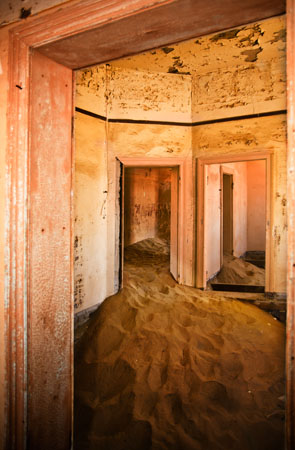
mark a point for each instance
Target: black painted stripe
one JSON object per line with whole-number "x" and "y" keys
{"x": 182, "y": 124}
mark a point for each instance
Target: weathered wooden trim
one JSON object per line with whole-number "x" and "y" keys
{"x": 200, "y": 220}
{"x": 50, "y": 270}
{"x": 185, "y": 211}
{"x": 56, "y": 26}
{"x": 290, "y": 343}
{"x": 16, "y": 284}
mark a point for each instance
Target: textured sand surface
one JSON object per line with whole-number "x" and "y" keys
{"x": 238, "y": 271}
{"x": 163, "y": 366}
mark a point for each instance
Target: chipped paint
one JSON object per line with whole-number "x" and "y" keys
{"x": 251, "y": 55}
{"x": 254, "y": 136}
{"x": 215, "y": 51}
{"x": 221, "y": 84}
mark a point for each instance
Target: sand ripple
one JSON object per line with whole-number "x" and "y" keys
{"x": 163, "y": 366}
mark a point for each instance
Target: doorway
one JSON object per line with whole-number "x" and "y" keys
{"x": 20, "y": 48}
{"x": 149, "y": 200}
{"x": 226, "y": 215}
{"x": 234, "y": 216}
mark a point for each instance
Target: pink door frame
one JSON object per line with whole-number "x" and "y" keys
{"x": 185, "y": 234}
{"x": 58, "y": 26}
{"x": 201, "y": 281}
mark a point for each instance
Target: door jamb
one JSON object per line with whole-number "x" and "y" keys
{"x": 182, "y": 231}
{"x": 200, "y": 251}
{"x": 22, "y": 39}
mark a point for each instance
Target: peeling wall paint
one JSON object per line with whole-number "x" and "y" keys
{"x": 215, "y": 51}
{"x": 233, "y": 73}
{"x": 149, "y": 95}
{"x": 127, "y": 94}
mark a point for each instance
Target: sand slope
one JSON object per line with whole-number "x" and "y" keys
{"x": 237, "y": 271}
{"x": 164, "y": 366}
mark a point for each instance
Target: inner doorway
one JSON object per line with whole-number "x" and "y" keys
{"x": 149, "y": 209}
{"x": 227, "y": 214}
{"x": 234, "y": 216}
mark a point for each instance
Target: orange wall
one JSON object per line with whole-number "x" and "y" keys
{"x": 147, "y": 204}
{"x": 256, "y": 180}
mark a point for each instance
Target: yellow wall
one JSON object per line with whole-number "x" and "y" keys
{"x": 90, "y": 209}
{"x": 109, "y": 92}
{"x": 215, "y": 77}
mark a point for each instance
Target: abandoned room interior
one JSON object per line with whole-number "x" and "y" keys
{"x": 145, "y": 127}
{"x": 149, "y": 291}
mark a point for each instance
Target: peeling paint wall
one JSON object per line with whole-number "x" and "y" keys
{"x": 150, "y": 96}
{"x": 144, "y": 95}
{"x": 143, "y": 98}
{"x": 242, "y": 72}
{"x": 146, "y": 204}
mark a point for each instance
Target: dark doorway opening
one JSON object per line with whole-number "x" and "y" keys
{"x": 227, "y": 214}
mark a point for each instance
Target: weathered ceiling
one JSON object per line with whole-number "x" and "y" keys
{"x": 174, "y": 21}
{"x": 261, "y": 42}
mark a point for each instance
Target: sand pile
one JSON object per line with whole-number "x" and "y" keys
{"x": 164, "y": 366}
{"x": 237, "y": 271}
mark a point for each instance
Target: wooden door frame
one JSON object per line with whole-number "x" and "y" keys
{"x": 201, "y": 281}
{"x": 59, "y": 25}
{"x": 224, "y": 171}
{"x": 290, "y": 341}
{"x": 185, "y": 234}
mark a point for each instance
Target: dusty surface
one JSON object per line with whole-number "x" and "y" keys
{"x": 238, "y": 271}
{"x": 163, "y": 366}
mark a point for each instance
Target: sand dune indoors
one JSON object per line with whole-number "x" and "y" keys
{"x": 163, "y": 366}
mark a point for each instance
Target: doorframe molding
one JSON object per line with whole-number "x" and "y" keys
{"x": 201, "y": 162}
{"x": 185, "y": 233}
{"x": 66, "y": 20}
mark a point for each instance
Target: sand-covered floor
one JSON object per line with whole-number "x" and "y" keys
{"x": 238, "y": 271}
{"x": 163, "y": 366}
